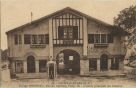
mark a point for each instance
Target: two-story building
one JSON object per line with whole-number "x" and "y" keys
{"x": 82, "y": 43}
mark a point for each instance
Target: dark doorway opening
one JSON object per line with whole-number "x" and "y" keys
{"x": 104, "y": 62}
{"x": 30, "y": 64}
{"x": 71, "y": 60}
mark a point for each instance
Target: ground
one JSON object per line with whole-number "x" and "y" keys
{"x": 73, "y": 82}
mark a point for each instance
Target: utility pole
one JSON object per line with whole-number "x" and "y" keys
{"x": 31, "y": 17}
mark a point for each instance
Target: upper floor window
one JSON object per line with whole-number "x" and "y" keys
{"x": 17, "y": 39}
{"x": 27, "y": 39}
{"x": 36, "y": 39}
{"x": 68, "y": 32}
{"x": 100, "y": 38}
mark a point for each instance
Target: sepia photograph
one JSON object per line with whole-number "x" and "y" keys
{"x": 67, "y": 43}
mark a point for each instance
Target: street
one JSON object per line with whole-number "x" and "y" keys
{"x": 72, "y": 82}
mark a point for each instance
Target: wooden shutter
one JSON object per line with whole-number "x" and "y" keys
{"x": 47, "y": 38}
{"x": 75, "y": 32}
{"x": 16, "y": 39}
{"x": 110, "y": 38}
{"x": 27, "y": 39}
{"x": 90, "y": 38}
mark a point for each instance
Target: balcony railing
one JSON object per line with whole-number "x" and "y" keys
{"x": 37, "y": 45}
{"x": 101, "y": 44}
{"x": 67, "y": 42}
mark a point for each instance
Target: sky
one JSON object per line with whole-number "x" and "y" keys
{"x": 15, "y": 13}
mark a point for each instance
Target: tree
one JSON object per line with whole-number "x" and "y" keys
{"x": 127, "y": 19}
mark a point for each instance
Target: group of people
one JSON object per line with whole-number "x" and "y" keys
{"x": 52, "y": 66}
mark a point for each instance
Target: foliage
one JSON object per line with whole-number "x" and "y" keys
{"x": 126, "y": 19}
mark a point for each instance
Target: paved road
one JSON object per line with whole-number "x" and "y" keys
{"x": 73, "y": 82}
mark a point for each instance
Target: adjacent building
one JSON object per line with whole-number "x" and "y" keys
{"x": 80, "y": 42}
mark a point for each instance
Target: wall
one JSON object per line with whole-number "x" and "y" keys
{"x": 114, "y": 48}
{"x": 21, "y": 50}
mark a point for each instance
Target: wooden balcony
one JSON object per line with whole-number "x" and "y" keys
{"x": 67, "y": 42}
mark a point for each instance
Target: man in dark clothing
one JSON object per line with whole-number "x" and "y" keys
{"x": 51, "y": 71}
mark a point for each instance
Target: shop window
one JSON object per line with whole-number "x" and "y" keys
{"x": 42, "y": 65}
{"x": 92, "y": 64}
{"x": 19, "y": 66}
{"x": 115, "y": 63}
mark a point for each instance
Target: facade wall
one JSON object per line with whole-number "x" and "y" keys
{"x": 85, "y": 50}
{"x": 78, "y": 49}
{"x": 114, "y": 48}
{"x": 21, "y": 50}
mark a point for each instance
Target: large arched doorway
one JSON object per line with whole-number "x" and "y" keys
{"x": 71, "y": 60}
{"x": 104, "y": 62}
{"x": 30, "y": 64}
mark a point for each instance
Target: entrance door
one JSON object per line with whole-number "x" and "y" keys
{"x": 71, "y": 62}
{"x": 104, "y": 62}
{"x": 30, "y": 64}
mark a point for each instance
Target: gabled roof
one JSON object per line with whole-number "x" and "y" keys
{"x": 53, "y": 14}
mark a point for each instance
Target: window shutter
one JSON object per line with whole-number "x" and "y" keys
{"x": 110, "y": 38}
{"x": 47, "y": 38}
{"x": 27, "y": 39}
{"x": 16, "y": 39}
{"x": 75, "y": 32}
{"x": 60, "y": 32}
{"x": 90, "y": 38}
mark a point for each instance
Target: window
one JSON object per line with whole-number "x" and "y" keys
{"x": 110, "y": 38}
{"x": 68, "y": 32}
{"x": 19, "y": 66}
{"x": 17, "y": 39}
{"x": 41, "y": 39}
{"x": 115, "y": 63}
{"x": 42, "y": 65}
{"x": 100, "y": 38}
{"x": 90, "y": 38}
{"x": 47, "y": 38}
{"x": 34, "y": 39}
{"x": 27, "y": 39}
{"x": 97, "y": 38}
{"x": 93, "y": 64}
{"x": 103, "y": 38}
